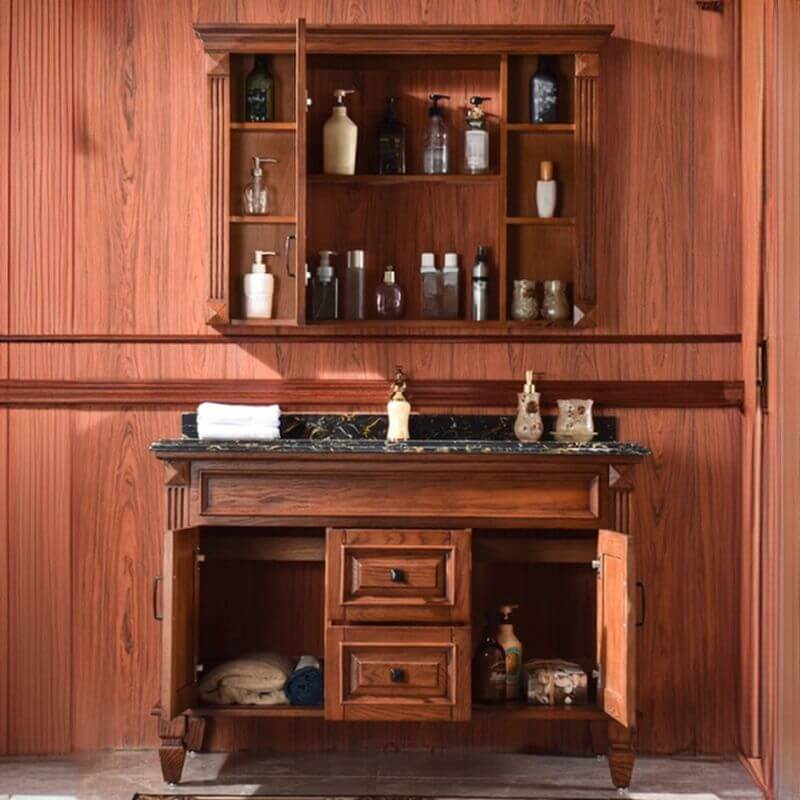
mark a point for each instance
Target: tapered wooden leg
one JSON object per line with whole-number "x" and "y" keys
{"x": 172, "y": 752}
{"x": 196, "y": 727}
{"x": 620, "y": 754}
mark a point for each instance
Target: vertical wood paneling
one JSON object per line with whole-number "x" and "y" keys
{"x": 141, "y": 167}
{"x": 117, "y": 525}
{"x": 5, "y": 181}
{"x": 40, "y": 583}
{"x": 687, "y": 532}
{"x": 41, "y": 167}
{"x": 5, "y": 653}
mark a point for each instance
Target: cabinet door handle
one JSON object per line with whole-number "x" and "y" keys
{"x": 158, "y": 617}
{"x": 289, "y": 238}
{"x": 640, "y": 587}
{"x": 397, "y": 674}
{"x": 397, "y": 575}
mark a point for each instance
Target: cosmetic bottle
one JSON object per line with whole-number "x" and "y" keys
{"x": 340, "y": 138}
{"x": 435, "y": 146}
{"x": 450, "y": 286}
{"x": 544, "y": 92}
{"x": 325, "y": 289}
{"x": 354, "y": 280}
{"x": 480, "y": 286}
{"x": 255, "y": 198}
{"x": 528, "y": 426}
{"x": 391, "y": 142}
{"x": 546, "y": 191}
{"x": 476, "y": 138}
{"x": 259, "y": 288}
{"x": 431, "y": 279}
{"x": 398, "y": 410}
{"x": 389, "y": 297}
{"x": 512, "y": 647}
{"x": 259, "y": 102}
{"x": 489, "y": 667}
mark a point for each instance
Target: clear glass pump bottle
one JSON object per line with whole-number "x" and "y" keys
{"x": 476, "y": 138}
{"x": 255, "y": 197}
{"x": 435, "y": 150}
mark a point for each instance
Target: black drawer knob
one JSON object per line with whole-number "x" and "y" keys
{"x": 397, "y": 674}
{"x": 397, "y": 575}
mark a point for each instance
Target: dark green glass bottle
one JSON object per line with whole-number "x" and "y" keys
{"x": 259, "y": 93}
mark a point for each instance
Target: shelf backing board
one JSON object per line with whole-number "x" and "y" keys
{"x": 280, "y": 177}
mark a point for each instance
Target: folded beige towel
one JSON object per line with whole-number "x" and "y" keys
{"x": 255, "y": 679}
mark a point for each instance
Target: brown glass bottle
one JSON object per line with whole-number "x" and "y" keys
{"x": 489, "y": 667}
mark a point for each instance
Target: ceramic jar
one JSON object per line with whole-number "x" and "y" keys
{"x": 575, "y": 418}
{"x": 528, "y": 425}
{"x": 524, "y": 305}
{"x": 555, "y": 306}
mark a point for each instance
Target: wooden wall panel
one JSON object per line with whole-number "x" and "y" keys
{"x": 5, "y": 573}
{"x": 118, "y": 126}
{"x": 40, "y": 656}
{"x": 117, "y": 525}
{"x": 372, "y": 361}
{"x": 140, "y": 188}
{"x": 41, "y": 167}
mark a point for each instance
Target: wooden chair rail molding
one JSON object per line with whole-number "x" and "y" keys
{"x": 366, "y": 394}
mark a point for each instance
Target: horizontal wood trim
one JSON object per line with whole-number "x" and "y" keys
{"x": 313, "y": 334}
{"x": 364, "y": 394}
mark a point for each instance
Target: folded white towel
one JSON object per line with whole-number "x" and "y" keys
{"x": 220, "y": 421}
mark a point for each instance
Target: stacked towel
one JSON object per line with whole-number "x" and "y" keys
{"x": 220, "y": 421}
{"x": 304, "y": 687}
{"x": 256, "y": 679}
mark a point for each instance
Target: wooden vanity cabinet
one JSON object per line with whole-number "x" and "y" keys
{"x": 400, "y": 623}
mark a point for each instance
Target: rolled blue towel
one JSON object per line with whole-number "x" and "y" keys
{"x": 304, "y": 686}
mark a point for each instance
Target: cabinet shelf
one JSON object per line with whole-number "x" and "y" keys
{"x": 257, "y": 711}
{"x": 522, "y": 711}
{"x": 381, "y": 180}
{"x": 541, "y": 127}
{"x": 263, "y": 127}
{"x": 546, "y": 222}
{"x": 261, "y": 220}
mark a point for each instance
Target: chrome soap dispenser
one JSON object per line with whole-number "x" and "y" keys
{"x": 255, "y": 198}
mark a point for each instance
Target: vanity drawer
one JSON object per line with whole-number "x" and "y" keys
{"x": 398, "y": 575}
{"x": 397, "y": 673}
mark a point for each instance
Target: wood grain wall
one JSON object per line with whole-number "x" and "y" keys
{"x": 102, "y": 264}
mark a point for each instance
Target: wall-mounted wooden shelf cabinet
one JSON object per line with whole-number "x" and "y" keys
{"x": 394, "y": 218}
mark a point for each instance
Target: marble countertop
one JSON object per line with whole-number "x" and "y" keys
{"x": 431, "y": 434}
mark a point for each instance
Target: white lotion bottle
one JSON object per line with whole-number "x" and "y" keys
{"x": 259, "y": 288}
{"x": 546, "y": 191}
{"x": 339, "y": 139}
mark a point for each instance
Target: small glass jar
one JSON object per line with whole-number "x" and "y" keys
{"x": 555, "y": 307}
{"x": 524, "y": 305}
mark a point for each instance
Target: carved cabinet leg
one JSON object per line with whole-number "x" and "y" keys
{"x": 620, "y": 754}
{"x": 196, "y": 727}
{"x": 172, "y": 752}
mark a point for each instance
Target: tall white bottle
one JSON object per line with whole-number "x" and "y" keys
{"x": 339, "y": 139}
{"x": 546, "y": 191}
{"x": 259, "y": 288}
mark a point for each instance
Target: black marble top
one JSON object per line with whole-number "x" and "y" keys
{"x": 430, "y": 433}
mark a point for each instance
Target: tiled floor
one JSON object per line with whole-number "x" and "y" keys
{"x": 118, "y": 775}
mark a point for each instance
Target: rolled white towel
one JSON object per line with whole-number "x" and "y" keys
{"x": 221, "y": 421}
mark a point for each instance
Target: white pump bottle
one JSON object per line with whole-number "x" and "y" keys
{"x": 339, "y": 139}
{"x": 259, "y": 288}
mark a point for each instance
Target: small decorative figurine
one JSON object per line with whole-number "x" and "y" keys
{"x": 575, "y": 423}
{"x": 528, "y": 425}
{"x": 398, "y": 409}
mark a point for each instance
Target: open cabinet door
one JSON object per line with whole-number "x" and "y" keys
{"x": 179, "y": 634}
{"x": 301, "y": 115}
{"x": 616, "y": 642}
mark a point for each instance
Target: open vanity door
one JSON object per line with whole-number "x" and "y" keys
{"x": 179, "y": 634}
{"x": 301, "y": 117}
{"x": 616, "y": 642}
